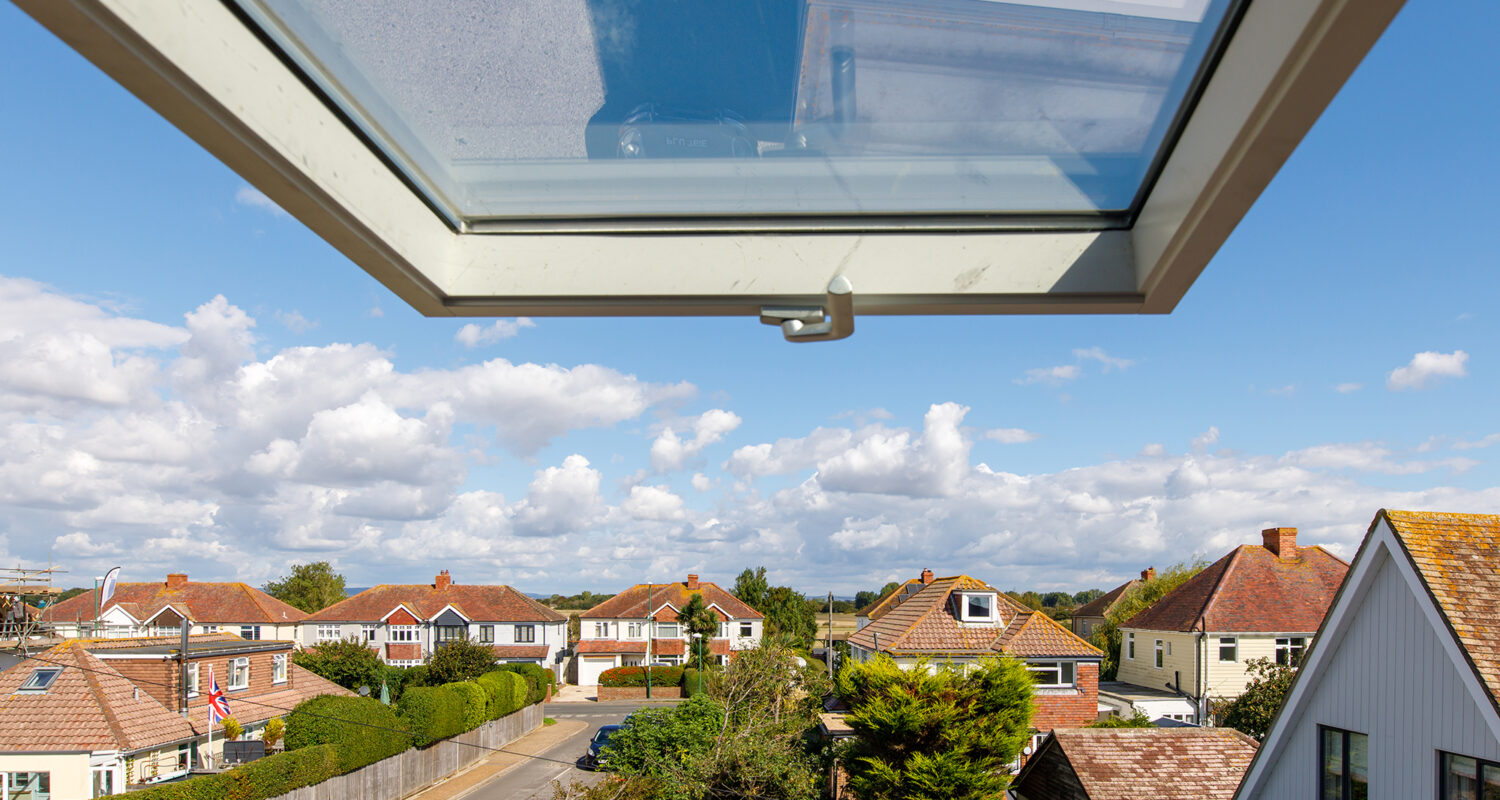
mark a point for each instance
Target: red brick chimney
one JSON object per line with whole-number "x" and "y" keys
{"x": 443, "y": 580}
{"x": 176, "y": 579}
{"x": 1282, "y": 542}
{"x": 692, "y": 583}
{"x": 926, "y": 576}
{"x": 1148, "y": 574}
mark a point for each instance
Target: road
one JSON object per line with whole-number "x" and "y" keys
{"x": 532, "y": 780}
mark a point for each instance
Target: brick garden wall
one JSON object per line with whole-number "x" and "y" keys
{"x": 1071, "y": 709}
{"x": 637, "y": 692}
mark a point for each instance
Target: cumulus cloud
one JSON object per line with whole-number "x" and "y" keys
{"x": 1426, "y": 368}
{"x": 473, "y": 335}
{"x": 669, "y": 452}
{"x": 251, "y": 197}
{"x": 1011, "y": 435}
{"x": 653, "y": 503}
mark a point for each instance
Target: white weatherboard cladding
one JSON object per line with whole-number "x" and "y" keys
{"x": 1391, "y": 677}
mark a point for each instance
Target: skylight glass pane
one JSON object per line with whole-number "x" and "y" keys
{"x": 536, "y": 109}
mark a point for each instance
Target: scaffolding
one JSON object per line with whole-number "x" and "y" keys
{"x": 20, "y": 623}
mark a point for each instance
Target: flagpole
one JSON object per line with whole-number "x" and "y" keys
{"x": 208, "y": 759}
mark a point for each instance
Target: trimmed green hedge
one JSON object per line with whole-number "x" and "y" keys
{"x": 268, "y": 777}
{"x": 360, "y": 727}
{"x": 476, "y": 703}
{"x": 636, "y": 676}
{"x": 432, "y": 713}
{"x": 505, "y": 690}
{"x": 537, "y": 679}
{"x": 691, "y": 680}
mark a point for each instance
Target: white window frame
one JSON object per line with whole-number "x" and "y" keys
{"x": 369, "y": 634}
{"x": 747, "y": 630}
{"x": 278, "y": 668}
{"x": 1062, "y": 674}
{"x": 963, "y": 606}
{"x": 635, "y": 630}
{"x": 330, "y": 633}
{"x": 1232, "y": 643}
{"x": 668, "y": 630}
{"x": 1160, "y": 655}
{"x": 239, "y": 674}
{"x": 402, "y": 634}
{"x": 248, "y": 108}
{"x": 253, "y": 632}
{"x": 404, "y": 662}
{"x": 1130, "y": 646}
{"x": 1291, "y": 646}
{"x": 192, "y": 680}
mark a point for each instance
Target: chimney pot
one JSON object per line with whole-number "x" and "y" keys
{"x": 1282, "y": 542}
{"x": 1148, "y": 574}
{"x": 443, "y": 580}
{"x": 176, "y": 579}
{"x": 692, "y": 583}
{"x": 926, "y": 576}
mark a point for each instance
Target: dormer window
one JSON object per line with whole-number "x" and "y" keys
{"x": 976, "y": 607}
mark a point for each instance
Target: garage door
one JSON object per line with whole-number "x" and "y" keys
{"x": 590, "y": 667}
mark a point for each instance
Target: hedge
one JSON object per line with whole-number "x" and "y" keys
{"x": 505, "y": 690}
{"x": 691, "y": 680}
{"x": 432, "y": 713}
{"x": 636, "y": 676}
{"x": 476, "y": 703}
{"x": 363, "y": 729}
{"x": 537, "y": 680}
{"x": 268, "y": 777}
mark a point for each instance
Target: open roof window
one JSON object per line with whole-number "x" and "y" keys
{"x": 774, "y": 158}
{"x": 40, "y": 680}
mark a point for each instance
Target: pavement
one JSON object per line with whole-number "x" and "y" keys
{"x": 568, "y": 693}
{"x": 539, "y": 742}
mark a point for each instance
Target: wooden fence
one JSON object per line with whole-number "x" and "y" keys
{"x": 411, "y": 771}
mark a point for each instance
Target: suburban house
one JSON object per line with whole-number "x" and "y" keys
{"x": 639, "y": 626}
{"x": 1262, "y": 601}
{"x": 874, "y": 610}
{"x": 1119, "y": 763}
{"x": 160, "y": 609}
{"x": 90, "y": 717}
{"x": 408, "y": 622}
{"x": 1401, "y": 697}
{"x": 961, "y": 619}
{"x": 1088, "y": 617}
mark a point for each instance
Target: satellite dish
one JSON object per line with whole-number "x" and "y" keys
{"x": 364, "y": 691}
{"x": 1026, "y": 750}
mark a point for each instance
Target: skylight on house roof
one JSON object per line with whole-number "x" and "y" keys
{"x": 40, "y": 680}
{"x": 802, "y": 162}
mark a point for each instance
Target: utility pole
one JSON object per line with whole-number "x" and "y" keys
{"x": 828, "y": 653}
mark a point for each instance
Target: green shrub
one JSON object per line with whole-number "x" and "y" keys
{"x": 363, "y": 729}
{"x": 691, "y": 681}
{"x": 636, "y": 676}
{"x": 397, "y": 679}
{"x": 271, "y": 776}
{"x": 537, "y": 679}
{"x": 476, "y": 703}
{"x": 506, "y": 692}
{"x": 431, "y": 713}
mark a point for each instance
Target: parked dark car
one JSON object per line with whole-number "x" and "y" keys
{"x": 596, "y": 758}
{"x": 657, "y": 131}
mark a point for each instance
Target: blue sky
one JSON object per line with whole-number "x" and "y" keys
{"x": 1289, "y": 387}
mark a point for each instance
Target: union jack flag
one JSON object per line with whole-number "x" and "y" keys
{"x": 218, "y": 705}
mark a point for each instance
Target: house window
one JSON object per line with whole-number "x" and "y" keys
{"x": 668, "y": 630}
{"x": 167, "y": 630}
{"x": 978, "y": 607}
{"x": 633, "y": 630}
{"x": 250, "y": 632}
{"x": 404, "y": 662}
{"x": 1160, "y": 652}
{"x": 368, "y": 632}
{"x": 192, "y": 680}
{"x": 1289, "y": 651}
{"x": 210, "y": 628}
{"x": 28, "y": 785}
{"x": 402, "y": 633}
{"x": 40, "y": 680}
{"x": 1052, "y": 673}
{"x": 601, "y": 630}
{"x": 448, "y": 634}
{"x": 673, "y": 660}
{"x": 1344, "y": 763}
{"x": 1228, "y": 648}
{"x": 329, "y": 633}
{"x": 746, "y": 630}
{"x": 239, "y": 673}
{"x": 1130, "y": 646}
{"x": 1464, "y": 778}
{"x": 525, "y": 633}
{"x": 278, "y": 668}
{"x": 487, "y": 634}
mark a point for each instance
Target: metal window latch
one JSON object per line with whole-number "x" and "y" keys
{"x": 816, "y": 323}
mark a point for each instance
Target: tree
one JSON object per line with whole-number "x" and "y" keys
{"x": 934, "y": 733}
{"x": 1253, "y": 711}
{"x": 1135, "y": 600}
{"x": 347, "y": 662}
{"x": 233, "y": 730}
{"x": 271, "y": 734}
{"x": 752, "y": 588}
{"x": 697, "y": 618}
{"x": 310, "y": 587}
{"x": 1087, "y": 596}
{"x": 1136, "y": 720}
{"x": 460, "y": 660}
{"x": 863, "y": 599}
{"x": 789, "y": 618}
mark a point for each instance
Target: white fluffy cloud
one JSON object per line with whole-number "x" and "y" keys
{"x": 1427, "y": 367}
{"x": 251, "y": 197}
{"x": 653, "y": 503}
{"x": 474, "y": 335}
{"x": 670, "y": 452}
{"x": 1011, "y": 435}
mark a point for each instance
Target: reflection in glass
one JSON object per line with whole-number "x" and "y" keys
{"x": 1333, "y": 765}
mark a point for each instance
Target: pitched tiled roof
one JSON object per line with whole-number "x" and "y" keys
{"x": 481, "y": 603}
{"x": 212, "y": 603}
{"x": 1159, "y": 763}
{"x": 631, "y": 603}
{"x": 1101, "y": 605}
{"x": 520, "y": 650}
{"x": 1251, "y": 590}
{"x": 878, "y": 608}
{"x": 253, "y": 709}
{"x": 609, "y": 646}
{"x": 89, "y": 707}
{"x": 925, "y": 623}
{"x": 1457, "y": 556}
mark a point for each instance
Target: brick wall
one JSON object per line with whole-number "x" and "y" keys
{"x": 159, "y": 678}
{"x": 637, "y": 692}
{"x": 1072, "y": 709}
{"x": 156, "y": 678}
